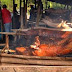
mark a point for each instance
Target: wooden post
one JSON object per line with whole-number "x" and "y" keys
{"x": 46, "y": 3}
{"x": 26, "y": 14}
{"x": 13, "y": 15}
{"x": 7, "y": 44}
{"x": 38, "y": 14}
{"x": 35, "y": 4}
{"x": 2, "y": 26}
{"x": 20, "y": 7}
{"x": 23, "y": 15}
{"x": 22, "y": 22}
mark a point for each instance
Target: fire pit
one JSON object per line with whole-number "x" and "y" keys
{"x": 40, "y": 47}
{"x": 52, "y": 42}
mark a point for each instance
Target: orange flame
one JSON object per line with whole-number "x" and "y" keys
{"x": 36, "y": 43}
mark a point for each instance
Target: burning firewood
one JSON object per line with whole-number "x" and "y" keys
{"x": 8, "y": 51}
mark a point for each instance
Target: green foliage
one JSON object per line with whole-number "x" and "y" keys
{"x": 18, "y": 3}
{"x": 9, "y": 4}
{"x": 45, "y": 3}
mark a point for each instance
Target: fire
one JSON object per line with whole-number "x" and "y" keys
{"x": 38, "y": 49}
{"x": 36, "y": 43}
{"x": 52, "y": 50}
{"x": 64, "y": 25}
{"x": 60, "y": 25}
{"x": 66, "y": 34}
{"x": 21, "y": 49}
{"x": 43, "y": 49}
{"x": 70, "y": 29}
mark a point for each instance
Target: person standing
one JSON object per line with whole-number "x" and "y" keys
{"x": 32, "y": 12}
{"x": 6, "y": 16}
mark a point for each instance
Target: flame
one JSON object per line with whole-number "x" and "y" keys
{"x": 21, "y": 49}
{"x": 60, "y": 24}
{"x": 12, "y": 50}
{"x": 64, "y": 47}
{"x": 64, "y": 25}
{"x": 9, "y": 51}
{"x": 34, "y": 46}
{"x": 36, "y": 43}
{"x": 70, "y": 29}
{"x": 66, "y": 34}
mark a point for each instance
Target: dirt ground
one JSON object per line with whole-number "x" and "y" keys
{"x": 35, "y": 69}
